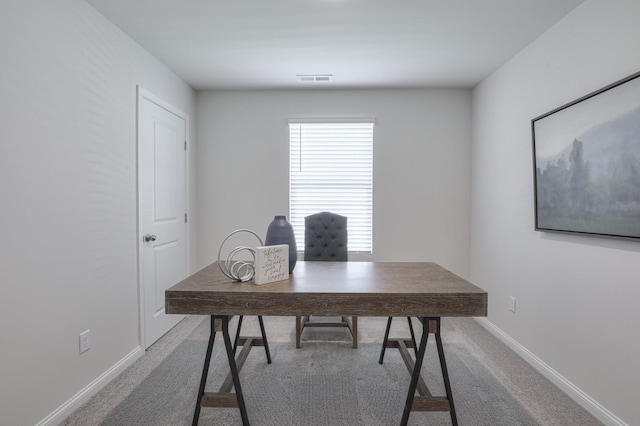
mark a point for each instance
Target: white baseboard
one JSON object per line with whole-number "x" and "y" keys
{"x": 588, "y": 403}
{"x": 62, "y": 412}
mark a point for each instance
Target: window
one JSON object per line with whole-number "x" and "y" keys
{"x": 331, "y": 169}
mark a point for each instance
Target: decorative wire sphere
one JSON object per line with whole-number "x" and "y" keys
{"x": 239, "y": 270}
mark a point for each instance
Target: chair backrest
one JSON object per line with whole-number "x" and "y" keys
{"x": 325, "y": 237}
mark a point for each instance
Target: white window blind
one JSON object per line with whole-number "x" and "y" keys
{"x": 331, "y": 169}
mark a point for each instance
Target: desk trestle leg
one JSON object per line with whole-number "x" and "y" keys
{"x": 386, "y": 338}
{"x": 205, "y": 373}
{"x": 425, "y": 401}
{"x": 264, "y": 337}
{"x": 224, "y": 398}
{"x": 234, "y": 370}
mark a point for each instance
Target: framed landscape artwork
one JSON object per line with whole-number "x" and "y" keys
{"x": 586, "y": 158}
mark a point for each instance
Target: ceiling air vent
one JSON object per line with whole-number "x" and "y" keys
{"x": 314, "y": 78}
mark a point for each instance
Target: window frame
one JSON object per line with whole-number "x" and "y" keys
{"x": 296, "y": 218}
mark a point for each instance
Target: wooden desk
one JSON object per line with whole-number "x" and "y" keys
{"x": 423, "y": 290}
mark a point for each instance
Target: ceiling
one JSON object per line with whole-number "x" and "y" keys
{"x": 264, "y": 44}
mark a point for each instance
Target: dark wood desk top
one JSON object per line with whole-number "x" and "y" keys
{"x": 333, "y": 288}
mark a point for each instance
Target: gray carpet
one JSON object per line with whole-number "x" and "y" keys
{"x": 323, "y": 383}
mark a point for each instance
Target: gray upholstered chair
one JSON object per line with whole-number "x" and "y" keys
{"x": 325, "y": 239}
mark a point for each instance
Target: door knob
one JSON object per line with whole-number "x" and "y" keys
{"x": 149, "y": 237}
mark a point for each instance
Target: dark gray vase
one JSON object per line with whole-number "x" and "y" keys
{"x": 281, "y": 232}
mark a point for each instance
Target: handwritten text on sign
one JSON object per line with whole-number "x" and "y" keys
{"x": 272, "y": 263}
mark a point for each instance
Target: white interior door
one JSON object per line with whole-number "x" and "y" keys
{"x": 163, "y": 209}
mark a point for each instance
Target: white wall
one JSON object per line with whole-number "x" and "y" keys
{"x": 421, "y": 166}
{"x": 68, "y": 188}
{"x": 576, "y": 295}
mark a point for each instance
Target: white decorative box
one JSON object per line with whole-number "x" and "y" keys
{"x": 272, "y": 264}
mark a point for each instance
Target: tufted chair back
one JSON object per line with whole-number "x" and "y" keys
{"x": 325, "y": 237}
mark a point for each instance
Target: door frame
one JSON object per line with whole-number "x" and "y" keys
{"x": 141, "y": 95}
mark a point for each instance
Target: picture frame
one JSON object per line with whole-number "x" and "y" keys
{"x": 586, "y": 163}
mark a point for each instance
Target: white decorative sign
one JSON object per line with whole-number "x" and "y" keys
{"x": 272, "y": 264}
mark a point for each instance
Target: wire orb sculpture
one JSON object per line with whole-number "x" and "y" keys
{"x": 238, "y": 270}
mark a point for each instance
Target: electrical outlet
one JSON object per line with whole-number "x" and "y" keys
{"x": 85, "y": 341}
{"x": 512, "y": 304}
